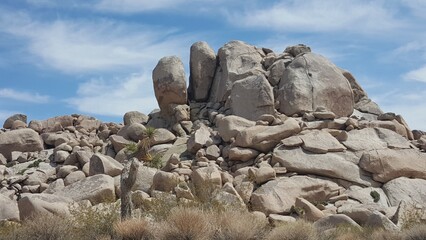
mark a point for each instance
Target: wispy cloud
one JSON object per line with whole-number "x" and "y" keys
{"x": 416, "y": 75}
{"x": 77, "y": 46}
{"x": 319, "y": 16}
{"x": 115, "y": 97}
{"x": 23, "y": 96}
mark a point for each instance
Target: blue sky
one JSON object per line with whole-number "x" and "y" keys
{"x": 95, "y": 57}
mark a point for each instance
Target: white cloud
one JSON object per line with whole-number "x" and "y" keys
{"x": 133, "y": 6}
{"x": 418, "y": 7}
{"x": 100, "y": 45}
{"x": 23, "y": 96}
{"x": 116, "y": 96}
{"x": 371, "y": 17}
{"x": 136, "y": 6}
{"x": 417, "y": 75}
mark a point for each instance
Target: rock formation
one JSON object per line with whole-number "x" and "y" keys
{"x": 287, "y": 134}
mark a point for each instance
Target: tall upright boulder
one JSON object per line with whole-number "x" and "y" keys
{"x": 237, "y": 60}
{"x": 252, "y": 97}
{"x": 202, "y": 64}
{"x": 312, "y": 81}
{"x": 169, "y": 84}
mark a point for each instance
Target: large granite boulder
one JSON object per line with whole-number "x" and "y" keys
{"x": 312, "y": 81}
{"x": 229, "y": 126}
{"x": 387, "y": 164}
{"x": 8, "y": 123}
{"x": 97, "y": 189}
{"x": 406, "y": 189}
{"x": 169, "y": 84}
{"x": 335, "y": 165}
{"x": 252, "y": 97}
{"x": 202, "y": 66}
{"x": 237, "y": 60}
{"x": 278, "y": 196}
{"x": 102, "y": 164}
{"x": 22, "y": 140}
{"x": 35, "y": 204}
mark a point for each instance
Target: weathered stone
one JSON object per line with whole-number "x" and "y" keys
{"x": 237, "y": 60}
{"x": 9, "y": 121}
{"x": 312, "y": 81}
{"x": 406, "y": 189}
{"x": 18, "y": 124}
{"x": 212, "y": 152}
{"x": 119, "y": 142}
{"x": 242, "y": 154}
{"x": 277, "y": 220}
{"x": 96, "y": 189}
{"x": 35, "y": 204}
{"x": 144, "y": 178}
{"x": 252, "y": 97}
{"x": 366, "y": 105}
{"x": 262, "y": 175}
{"x": 229, "y": 126}
{"x": 206, "y": 177}
{"x": 293, "y": 141}
{"x": 198, "y": 139}
{"x": 297, "y": 49}
{"x": 102, "y": 164}
{"x": 134, "y": 117}
{"x": 311, "y": 213}
{"x": 165, "y": 181}
{"x": 321, "y": 142}
{"x": 374, "y": 139}
{"x": 335, "y": 165}
{"x": 57, "y": 185}
{"x": 278, "y": 196}
{"x": 61, "y": 156}
{"x": 387, "y": 164}
{"x": 364, "y": 195}
{"x": 8, "y": 209}
{"x": 202, "y": 64}
{"x": 162, "y": 135}
{"x": 65, "y": 170}
{"x": 23, "y": 140}
{"x": 378, "y": 220}
{"x": 74, "y": 177}
{"x": 276, "y": 71}
{"x": 169, "y": 84}
{"x": 334, "y": 221}
{"x": 264, "y": 138}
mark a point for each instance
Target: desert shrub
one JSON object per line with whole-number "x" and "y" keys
{"x": 94, "y": 222}
{"x": 187, "y": 224}
{"x": 42, "y": 227}
{"x": 131, "y": 148}
{"x": 153, "y": 161}
{"x": 375, "y": 195}
{"x": 299, "y": 230}
{"x": 416, "y": 232}
{"x": 158, "y": 208}
{"x": 134, "y": 229}
{"x": 238, "y": 225}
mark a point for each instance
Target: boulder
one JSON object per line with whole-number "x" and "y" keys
{"x": 387, "y": 164}
{"x": 119, "y": 142}
{"x": 134, "y": 117}
{"x": 165, "y": 181}
{"x": 202, "y": 66}
{"x": 169, "y": 84}
{"x": 364, "y": 195}
{"x": 8, "y": 209}
{"x": 198, "y": 139}
{"x": 407, "y": 190}
{"x": 162, "y": 135}
{"x": 18, "y": 124}
{"x": 310, "y": 212}
{"x": 276, "y": 71}
{"x": 53, "y": 124}
{"x": 378, "y": 220}
{"x": 374, "y": 139}
{"x": 9, "y": 121}
{"x": 335, "y": 165}
{"x": 74, "y": 177}
{"x": 252, "y": 97}
{"x": 321, "y": 142}
{"x": 334, "y": 221}
{"x": 297, "y": 49}
{"x": 278, "y": 196}
{"x": 229, "y": 126}
{"x": 242, "y": 154}
{"x": 144, "y": 178}
{"x": 312, "y": 81}
{"x": 206, "y": 177}
{"x": 264, "y": 138}
{"x": 35, "y": 204}
{"x": 23, "y": 140}
{"x": 96, "y": 189}
{"x": 237, "y": 60}
{"x": 102, "y": 164}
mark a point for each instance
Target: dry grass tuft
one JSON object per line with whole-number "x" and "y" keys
{"x": 238, "y": 225}
{"x": 299, "y": 230}
{"x": 134, "y": 229}
{"x": 417, "y": 232}
{"x": 187, "y": 224}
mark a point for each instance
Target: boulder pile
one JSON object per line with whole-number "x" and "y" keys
{"x": 288, "y": 135}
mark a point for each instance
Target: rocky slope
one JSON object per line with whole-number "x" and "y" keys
{"x": 284, "y": 134}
